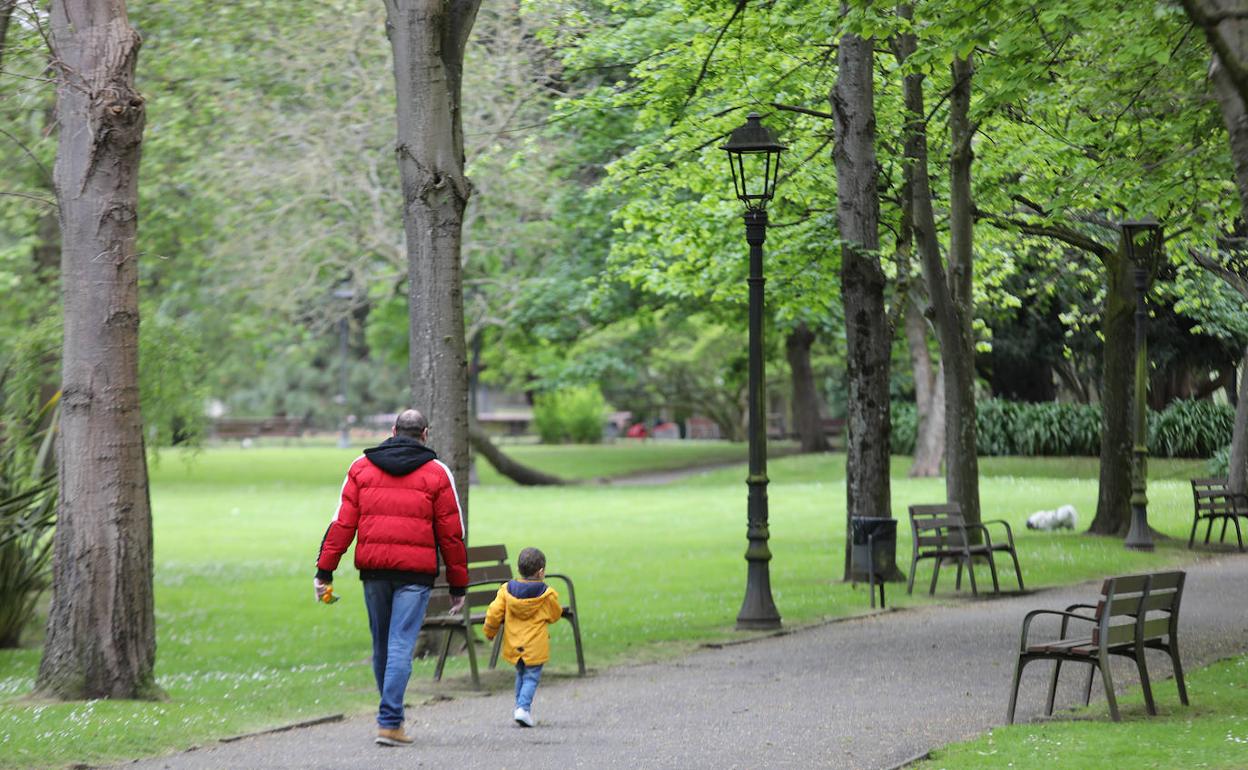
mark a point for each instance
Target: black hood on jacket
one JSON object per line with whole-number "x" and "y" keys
{"x": 399, "y": 455}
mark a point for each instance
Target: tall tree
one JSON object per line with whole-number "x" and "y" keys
{"x": 868, "y": 336}
{"x": 1225, "y": 24}
{"x": 101, "y": 640}
{"x": 427, "y": 38}
{"x": 949, "y": 290}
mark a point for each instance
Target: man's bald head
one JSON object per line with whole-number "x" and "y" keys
{"x": 410, "y": 423}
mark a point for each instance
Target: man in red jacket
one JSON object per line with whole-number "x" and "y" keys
{"x": 400, "y": 501}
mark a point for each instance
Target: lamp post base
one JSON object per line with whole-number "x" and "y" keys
{"x": 758, "y": 611}
{"x": 1140, "y": 537}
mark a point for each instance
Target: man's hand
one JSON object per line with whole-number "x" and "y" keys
{"x": 457, "y": 604}
{"x": 321, "y": 587}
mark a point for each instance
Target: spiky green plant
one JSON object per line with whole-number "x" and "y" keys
{"x": 27, "y": 515}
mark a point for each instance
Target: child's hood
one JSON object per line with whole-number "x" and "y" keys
{"x": 525, "y": 597}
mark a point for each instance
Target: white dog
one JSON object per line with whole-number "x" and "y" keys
{"x": 1063, "y": 518}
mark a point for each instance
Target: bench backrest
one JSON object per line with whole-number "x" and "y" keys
{"x": 937, "y": 526}
{"x": 487, "y": 568}
{"x": 1138, "y": 608}
{"x": 1213, "y": 497}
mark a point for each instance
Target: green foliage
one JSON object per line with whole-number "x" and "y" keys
{"x": 1190, "y": 428}
{"x": 28, "y": 496}
{"x": 570, "y": 414}
{"x": 1186, "y": 428}
{"x": 1220, "y": 464}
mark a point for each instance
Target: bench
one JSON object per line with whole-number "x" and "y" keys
{"x": 249, "y": 427}
{"x": 1134, "y": 613}
{"x": 1213, "y": 500}
{"x": 487, "y": 569}
{"x": 940, "y": 533}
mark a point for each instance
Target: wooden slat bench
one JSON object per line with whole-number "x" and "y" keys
{"x": 1135, "y": 613}
{"x": 487, "y": 570}
{"x": 939, "y": 532}
{"x": 1213, "y": 500}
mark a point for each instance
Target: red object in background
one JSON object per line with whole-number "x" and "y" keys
{"x": 637, "y": 430}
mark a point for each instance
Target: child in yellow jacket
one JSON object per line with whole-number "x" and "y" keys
{"x": 524, "y": 608}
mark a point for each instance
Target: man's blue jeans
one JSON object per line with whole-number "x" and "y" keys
{"x": 527, "y": 678}
{"x": 395, "y": 613}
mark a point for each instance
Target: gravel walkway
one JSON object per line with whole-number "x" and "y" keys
{"x": 870, "y": 692}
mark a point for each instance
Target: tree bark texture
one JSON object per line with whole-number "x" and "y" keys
{"x": 949, "y": 291}
{"x": 518, "y": 472}
{"x": 6, "y": 15}
{"x": 807, "y": 418}
{"x": 1238, "y": 470}
{"x": 101, "y": 640}
{"x": 929, "y": 397}
{"x": 868, "y": 336}
{"x": 428, "y": 38}
{"x": 1113, "y": 504}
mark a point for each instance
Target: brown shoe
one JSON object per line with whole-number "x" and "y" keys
{"x": 393, "y": 736}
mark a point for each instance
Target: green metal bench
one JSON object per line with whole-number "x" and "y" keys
{"x": 939, "y": 532}
{"x": 1134, "y": 613}
{"x": 1213, "y": 501}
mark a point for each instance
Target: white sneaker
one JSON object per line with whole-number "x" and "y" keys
{"x": 523, "y": 718}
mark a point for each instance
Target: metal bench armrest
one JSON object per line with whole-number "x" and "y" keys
{"x": 1030, "y": 616}
{"x": 1009, "y": 531}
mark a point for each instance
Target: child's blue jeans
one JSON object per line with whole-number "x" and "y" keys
{"x": 527, "y": 678}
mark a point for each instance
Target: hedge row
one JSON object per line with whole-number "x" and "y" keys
{"x": 1183, "y": 429}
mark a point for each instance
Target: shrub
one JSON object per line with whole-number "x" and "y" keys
{"x": 905, "y": 433}
{"x": 1220, "y": 464}
{"x": 28, "y": 497}
{"x": 571, "y": 414}
{"x": 1190, "y": 428}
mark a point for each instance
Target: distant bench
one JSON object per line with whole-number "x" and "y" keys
{"x": 257, "y": 427}
{"x": 1213, "y": 501}
{"x": 487, "y": 566}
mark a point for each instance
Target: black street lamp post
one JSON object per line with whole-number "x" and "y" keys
{"x": 1143, "y": 245}
{"x": 754, "y": 156}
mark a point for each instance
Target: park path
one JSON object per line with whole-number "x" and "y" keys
{"x": 869, "y": 692}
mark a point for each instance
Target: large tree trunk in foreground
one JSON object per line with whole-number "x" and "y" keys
{"x": 929, "y": 397}
{"x": 1113, "y": 504}
{"x": 868, "y": 338}
{"x": 101, "y": 640}
{"x": 517, "y": 472}
{"x": 806, "y": 413}
{"x": 428, "y": 39}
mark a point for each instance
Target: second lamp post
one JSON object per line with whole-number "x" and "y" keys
{"x": 755, "y": 159}
{"x": 1143, "y": 246}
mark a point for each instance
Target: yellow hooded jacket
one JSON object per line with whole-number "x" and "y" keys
{"x": 524, "y": 622}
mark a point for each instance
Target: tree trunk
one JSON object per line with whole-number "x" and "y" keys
{"x": 101, "y": 640}
{"x": 868, "y": 338}
{"x": 1238, "y": 470}
{"x": 806, "y": 412}
{"x": 428, "y": 38}
{"x": 1113, "y": 505}
{"x": 929, "y": 397}
{"x": 517, "y": 472}
{"x": 950, "y": 294}
{"x": 6, "y": 14}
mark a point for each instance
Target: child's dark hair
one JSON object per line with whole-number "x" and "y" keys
{"x": 531, "y": 562}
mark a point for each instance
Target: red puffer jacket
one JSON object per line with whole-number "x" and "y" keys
{"x": 402, "y": 502}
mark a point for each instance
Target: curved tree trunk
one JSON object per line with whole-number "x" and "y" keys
{"x": 949, "y": 291}
{"x": 518, "y": 472}
{"x": 929, "y": 397}
{"x": 1113, "y": 504}
{"x": 1238, "y": 470}
{"x": 101, "y": 640}
{"x": 806, "y": 412}
{"x": 868, "y": 338}
{"x": 428, "y": 39}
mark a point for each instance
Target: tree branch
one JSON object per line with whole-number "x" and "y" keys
{"x": 1056, "y": 232}
{"x": 706, "y": 62}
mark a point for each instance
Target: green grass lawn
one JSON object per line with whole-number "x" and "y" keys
{"x": 242, "y": 646}
{"x": 1211, "y": 733}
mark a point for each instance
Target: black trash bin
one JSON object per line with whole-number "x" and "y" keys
{"x": 873, "y": 551}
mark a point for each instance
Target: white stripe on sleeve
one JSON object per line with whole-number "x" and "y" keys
{"x": 463, "y": 531}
